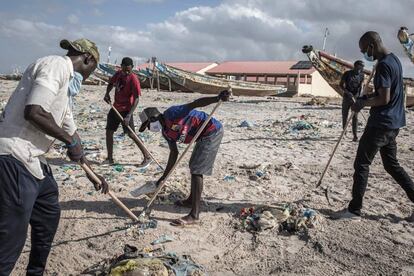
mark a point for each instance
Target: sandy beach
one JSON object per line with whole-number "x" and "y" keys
{"x": 92, "y": 227}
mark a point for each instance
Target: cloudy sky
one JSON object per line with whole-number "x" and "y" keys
{"x": 195, "y": 30}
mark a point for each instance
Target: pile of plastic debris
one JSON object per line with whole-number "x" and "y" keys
{"x": 289, "y": 218}
{"x": 151, "y": 260}
{"x": 301, "y": 125}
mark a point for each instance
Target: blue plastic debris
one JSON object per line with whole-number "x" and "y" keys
{"x": 247, "y": 124}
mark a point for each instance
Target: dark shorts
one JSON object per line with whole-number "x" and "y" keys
{"x": 204, "y": 154}
{"x": 26, "y": 200}
{"x": 113, "y": 121}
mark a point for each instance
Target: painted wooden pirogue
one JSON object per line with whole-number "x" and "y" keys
{"x": 213, "y": 85}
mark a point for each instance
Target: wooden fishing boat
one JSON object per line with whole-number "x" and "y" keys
{"x": 213, "y": 85}
{"x": 165, "y": 82}
{"x": 332, "y": 68}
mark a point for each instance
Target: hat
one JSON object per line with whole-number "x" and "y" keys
{"x": 82, "y": 45}
{"x": 126, "y": 61}
{"x": 146, "y": 116}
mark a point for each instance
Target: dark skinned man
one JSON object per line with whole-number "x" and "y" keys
{"x": 180, "y": 124}
{"x": 387, "y": 116}
{"x": 351, "y": 83}
{"x": 127, "y": 93}
{"x": 38, "y": 113}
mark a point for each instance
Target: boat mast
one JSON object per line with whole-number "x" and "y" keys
{"x": 325, "y": 38}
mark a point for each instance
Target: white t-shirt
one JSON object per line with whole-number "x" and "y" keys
{"x": 44, "y": 83}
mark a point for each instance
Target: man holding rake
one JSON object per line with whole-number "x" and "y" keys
{"x": 180, "y": 124}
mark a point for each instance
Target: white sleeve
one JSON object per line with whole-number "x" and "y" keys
{"x": 68, "y": 123}
{"x": 48, "y": 80}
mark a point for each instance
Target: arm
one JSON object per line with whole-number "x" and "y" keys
{"x": 137, "y": 93}
{"x": 202, "y": 102}
{"x": 44, "y": 121}
{"x": 113, "y": 80}
{"x": 172, "y": 158}
{"x": 129, "y": 115}
{"x": 342, "y": 82}
{"x": 383, "y": 96}
{"x": 107, "y": 97}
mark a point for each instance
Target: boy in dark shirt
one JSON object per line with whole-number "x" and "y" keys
{"x": 387, "y": 116}
{"x": 351, "y": 83}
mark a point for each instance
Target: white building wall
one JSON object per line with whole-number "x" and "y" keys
{"x": 319, "y": 87}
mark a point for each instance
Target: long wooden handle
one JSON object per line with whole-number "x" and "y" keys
{"x": 334, "y": 149}
{"x": 203, "y": 126}
{"x": 114, "y": 198}
{"x": 137, "y": 137}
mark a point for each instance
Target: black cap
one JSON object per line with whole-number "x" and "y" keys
{"x": 126, "y": 61}
{"x": 147, "y": 115}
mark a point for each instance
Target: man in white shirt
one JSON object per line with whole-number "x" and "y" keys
{"x": 37, "y": 113}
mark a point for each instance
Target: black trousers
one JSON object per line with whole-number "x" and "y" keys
{"x": 346, "y": 106}
{"x": 23, "y": 200}
{"x": 372, "y": 141}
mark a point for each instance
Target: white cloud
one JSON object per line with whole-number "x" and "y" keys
{"x": 73, "y": 19}
{"x": 233, "y": 30}
{"x": 97, "y": 12}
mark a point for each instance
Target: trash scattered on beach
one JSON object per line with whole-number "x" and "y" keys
{"x": 247, "y": 124}
{"x": 317, "y": 101}
{"x": 151, "y": 260}
{"x": 288, "y": 218}
{"x": 162, "y": 239}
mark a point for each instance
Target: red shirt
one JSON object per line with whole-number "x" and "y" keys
{"x": 127, "y": 88}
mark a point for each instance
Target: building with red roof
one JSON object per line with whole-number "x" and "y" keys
{"x": 298, "y": 76}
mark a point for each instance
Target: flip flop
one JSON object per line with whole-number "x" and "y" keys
{"x": 183, "y": 223}
{"x": 145, "y": 165}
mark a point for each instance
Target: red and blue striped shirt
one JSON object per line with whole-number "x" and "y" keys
{"x": 182, "y": 124}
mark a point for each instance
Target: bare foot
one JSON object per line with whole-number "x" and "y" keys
{"x": 108, "y": 161}
{"x": 185, "y": 221}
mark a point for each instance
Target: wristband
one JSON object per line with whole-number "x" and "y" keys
{"x": 73, "y": 144}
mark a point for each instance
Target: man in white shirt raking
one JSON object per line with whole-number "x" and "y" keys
{"x": 37, "y": 113}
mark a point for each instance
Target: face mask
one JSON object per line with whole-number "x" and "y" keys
{"x": 75, "y": 84}
{"x": 367, "y": 57}
{"x": 155, "y": 126}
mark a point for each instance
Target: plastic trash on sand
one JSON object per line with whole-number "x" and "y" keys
{"x": 247, "y": 124}
{"x": 147, "y": 188}
{"x": 162, "y": 239}
{"x": 229, "y": 178}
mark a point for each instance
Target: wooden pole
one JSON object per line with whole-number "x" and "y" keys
{"x": 112, "y": 195}
{"x": 137, "y": 137}
{"x": 335, "y": 148}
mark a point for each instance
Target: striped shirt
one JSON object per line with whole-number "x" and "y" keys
{"x": 182, "y": 124}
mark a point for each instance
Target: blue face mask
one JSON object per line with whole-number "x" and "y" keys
{"x": 75, "y": 84}
{"x": 367, "y": 57}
